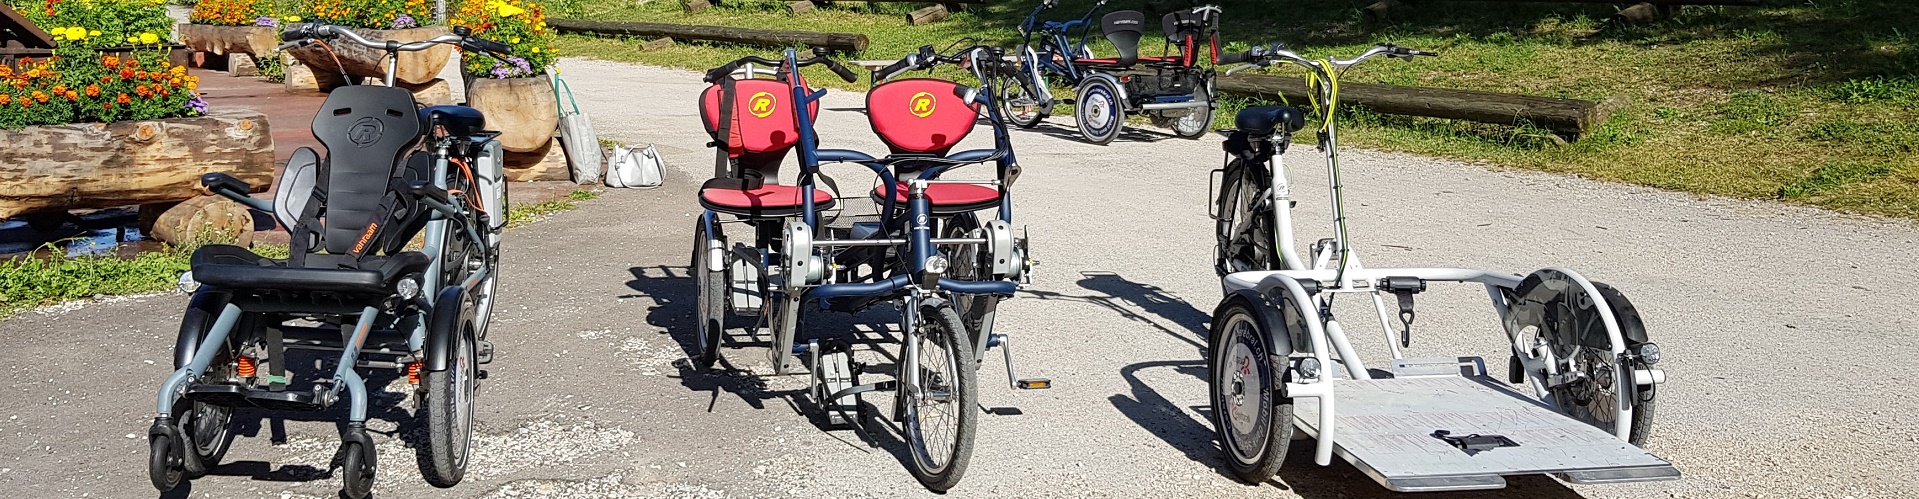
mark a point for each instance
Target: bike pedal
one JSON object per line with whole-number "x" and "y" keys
{"x": 485, "y": 352}
{"x": 480, "y": 375}
{"x": 1035, "y": 384}
{"x": 1068, "y": 102}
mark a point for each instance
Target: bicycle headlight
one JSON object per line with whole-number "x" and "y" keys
{"x": 1647, "y": 352}
{"x": 187, "y": 284}
{"x": 407, "y": 288}
{"x": 936, "y": 264}
{"x": 1308, "y": 367}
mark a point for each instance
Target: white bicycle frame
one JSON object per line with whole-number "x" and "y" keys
{"x": 1337, "y": 265}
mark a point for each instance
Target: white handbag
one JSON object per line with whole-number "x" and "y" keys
{"x": 636, "y": 168}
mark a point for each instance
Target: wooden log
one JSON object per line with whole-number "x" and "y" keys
{"x": 800, "y": 7}
{"x": 842, "y": 42}
{"x": 360, "y": 61}
{"x": 522, "y": 109}
{"x": 692, "y": 6}
{"x": 1566, "y": 116}
{"x": 928, "y": 15}
{"x": 101, "y": 165}
{"x": 547, "y": 162}
{"x": 204, "y": 220}
{"x": 656, "y": 44}
{"x": 241, "y": 65}
{"x": 1730, "y": 3}
{"x": 433, "y": 93}
{"x": 222, "y": 40}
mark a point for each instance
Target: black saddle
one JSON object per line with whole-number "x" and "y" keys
{"x": 460, "y": 121}
{"x": 1262, "y": 121}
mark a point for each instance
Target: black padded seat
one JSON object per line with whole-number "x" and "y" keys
{"x": 236, "y": 268}
{"x": 460, "y": 121}
{"x": 1262, "y": 121}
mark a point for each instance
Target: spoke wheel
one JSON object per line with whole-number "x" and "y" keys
{"x": 209, "y": 432}
{"x": 942, "y": 418}
{"x": 710, "y": 306}
{"x": 1190, "y": 123}
{"x": 1245, "y": 226}
{"x": 1019, "y": 98}
{"x": 448, "y": 404}
{"x": 1254, "y": 423}
{"x": 970, "y": 263}
{"x": 1562, "y": 323}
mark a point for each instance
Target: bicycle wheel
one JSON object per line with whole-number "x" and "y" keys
{"x": 1098, "y": 111}
{"x": 1245, "y": 225}
{"x": 941, "y": 418}
{"x": 1190, "y": 123}
{"x": 1019, "y": 97}
{"x": 969, "y": 263}
{"x": 1557, "y": 316}
{"x": 448, "y": 409}
{"x": 710, "y": 306}
{"x": 1254, "y": 423}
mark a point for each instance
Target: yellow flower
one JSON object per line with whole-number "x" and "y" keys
{"x": 509, "y": 10}
{"x": 133, "y": 39}
{"x": 149, "y": 38}
{"x": 93, "y": 33}
{"x": 293, "y": 19}
{"x": 76, "y": 33}
{"x": 536, "y": 50}
{"x": 513, "y": 40}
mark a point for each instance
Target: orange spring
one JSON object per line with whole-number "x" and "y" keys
{"x": 246, "y": 368}
{"x": 413, "y": 372}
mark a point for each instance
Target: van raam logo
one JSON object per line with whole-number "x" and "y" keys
{"x": 922, "y": 104}
{"x": 762, "y": 104}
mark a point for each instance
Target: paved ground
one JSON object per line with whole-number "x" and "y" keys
{"x": 1769, "y": 316}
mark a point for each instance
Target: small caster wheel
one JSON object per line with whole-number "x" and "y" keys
{"x": 356, "y": 471}
{"x": 163, "y": 465}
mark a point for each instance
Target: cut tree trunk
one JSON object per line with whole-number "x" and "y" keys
{"x": 695, "y": 6}
{"x": 101, "y": 165}
{"x": 360, "y": 61}
{"x": 842, "y": 42}
{"x": 522, "y": 109}
{"x": 800, "y": 7}
{"x": 432, "y": 93}
{"x": 242, "y": 65}
{"x": 223, "y": 40}
{"x": 928, "y": 15}
{"x": 1566, "y": 116}
{"x": 204, "y": 220}
{"x": 545, "y": 163}
{"x": 662, "y": 43}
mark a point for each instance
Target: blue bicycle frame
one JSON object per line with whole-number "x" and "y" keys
{"x": 1054, "y": 41}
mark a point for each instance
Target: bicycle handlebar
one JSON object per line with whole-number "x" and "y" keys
{"x": 1259, "y": 57}
{"x": 927, "y": 58}
{"x": 715, "y": 74}
{"x": 302, "y": 32}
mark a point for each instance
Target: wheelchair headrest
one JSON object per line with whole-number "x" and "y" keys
{"x": 920, "y": 115}
{"x": 1124, "y": 29}
{"x": 1264, "y": 120}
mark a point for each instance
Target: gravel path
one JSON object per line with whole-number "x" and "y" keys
{"x": 1754, "y": 303}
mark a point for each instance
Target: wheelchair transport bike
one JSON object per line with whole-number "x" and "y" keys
{"x": 1279, "y": 358}
{"x": 391, "y": 170}
{"x": 1172, "y": 88}
{"x": 926, "y": 252}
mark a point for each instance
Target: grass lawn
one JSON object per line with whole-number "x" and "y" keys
{"x": 1806, "y": 101}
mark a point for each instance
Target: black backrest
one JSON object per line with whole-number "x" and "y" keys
{"x": 1179, "y": 25}
{"x": 1123, "y": 29}
{"x": 366, "y": 129}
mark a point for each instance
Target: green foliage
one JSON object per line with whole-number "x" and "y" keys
{"x": 271, "y": 67}
{"x": 526, "y": 213}
{"x": 1834, "y": 176}
{"x": 101, "y": 23}
{"x": 27, "y": 282}
{"x": 518, "y": 24}
{"x": 1752, "y": 112}
{"x": 1902, "y": 91}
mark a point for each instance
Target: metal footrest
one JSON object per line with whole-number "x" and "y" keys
{"x": 1438, "y": 433}
{"x": 240, "y": 396}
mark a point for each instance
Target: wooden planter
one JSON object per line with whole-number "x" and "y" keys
{"x": 522, "y": 109}
{"x": 223, "y": 40}
{"x": 100, "y": 165}
{"x": 362, "y": 62}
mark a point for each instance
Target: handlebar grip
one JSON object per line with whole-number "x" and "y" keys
{"x": 715, "y": 74}
{"x": 297, "y": 32}
{"x": 838, "y": 69}
{"x": 1234, "y": 58}
{"x": 894, "y": 69}
{"x": 485, "y": 45}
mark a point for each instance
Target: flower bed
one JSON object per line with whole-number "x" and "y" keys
{"x": 90, "y": 87}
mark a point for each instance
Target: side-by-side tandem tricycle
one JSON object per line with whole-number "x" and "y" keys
{"x": 1279, "y": 359}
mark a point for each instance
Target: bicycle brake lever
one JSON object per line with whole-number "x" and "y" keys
{"x": 1241, "y": 67}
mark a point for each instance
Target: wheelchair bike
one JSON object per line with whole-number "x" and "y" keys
{"x": 926, "y": 252}
{"x": 392, "y": 170}
{"x": 1579, "y": 348}
{"x": 1172, "y": 88}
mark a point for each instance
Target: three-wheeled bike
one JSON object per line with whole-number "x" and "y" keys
{"x": 1279, "y": 358}
{"x": 761, "y": 249}
{"x": 1172, "y": 88}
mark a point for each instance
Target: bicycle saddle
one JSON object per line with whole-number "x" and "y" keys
{"x": 460, "y": 121}
{"x": 1262, "y": 121}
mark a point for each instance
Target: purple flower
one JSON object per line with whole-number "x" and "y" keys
{"x": 267, "y": 21}
{"x": 198, "y": 105}
{"x": 512, "y": 67}
{"x": 405, "y": 21}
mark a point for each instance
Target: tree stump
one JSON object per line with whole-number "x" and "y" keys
{"x": 1643, "y": 13}
{"x": 433, "y": 93}
{"x": 223, "y": 40}
{"x": 101, "y": 165}
{"x": 300, "y": 78}
{"x": 927, "y": 15}
{"x": 800, "y": 7}
{"x": 548, "y": 162}
{"x": 656, "y": 44}
{"x": 697, "y": 5}
{"x": 360, "y": 61}
{"x": 204, "y": 220}
{"x": 522, "y": 109}
{"x": 242, "y": 65}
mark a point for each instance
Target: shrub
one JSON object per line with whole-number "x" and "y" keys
{"x": 99, "y": 23}
{"x": 233, "y": 13}
{"x": 81, "y": 85}
{"x": 371, "y": 14}
{"x": 518, "y": 24}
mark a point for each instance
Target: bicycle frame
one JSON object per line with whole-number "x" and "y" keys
{"x": 1056, "y": 44}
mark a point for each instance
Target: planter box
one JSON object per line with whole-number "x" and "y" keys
{"x": 176, "y": 53}
{"x": 522, "y": 109}
{"x": 223, "y": 40}
{"x": 100, "y": 165}
{"x": 362, "y": 62}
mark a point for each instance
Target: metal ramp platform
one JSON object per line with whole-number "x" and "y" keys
{"x": 1387, "y": 428}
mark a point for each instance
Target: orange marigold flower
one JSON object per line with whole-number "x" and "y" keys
{"x": 124, "y": 99}
{"x": 39, "y": 96}
{"x": 25, "y": 102}
{"x": 110, "y": 62}
{"x": 126, "y": 74}
{"x": 72, "y": 95}
{"x": 106, "y": 105}
{"x": 93, "y": 90}
{"x": 140, "y": 75}
{"x": 174, "y": 82}
{"x": 132, "y": 63}
{"x": 5, "y": 98}
{"x": 141, "y": 91}
{"x": 60, "y": 88}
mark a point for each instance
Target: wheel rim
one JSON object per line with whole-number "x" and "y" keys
{"x": 1243, "y": 251}
{"x": 208, "y": 425}
{"x": 933, "y": 419}
{"x": 1243, "y": 383}
{"x": 702, "y": 270}
{"x": 1193, "y": 122}
{"x": 463, "y": 388}
{"x": 1098, "y": 103}
{"x": 1017, "y": 102}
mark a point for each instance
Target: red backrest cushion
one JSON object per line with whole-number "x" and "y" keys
{"x": 764, "y": 109}
{"x": 920, "y": 115}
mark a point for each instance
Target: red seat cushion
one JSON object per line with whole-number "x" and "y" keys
{"x": 767, "y": 196}
{"x": 920, "y": 115}
{"x": 1142, "y": 58}
{"x": 946, "y": 194}
{"x": 766, "y": 121}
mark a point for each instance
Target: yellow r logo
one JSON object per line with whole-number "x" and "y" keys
{"x": 761, "y": 104}
{"x": 922, "y": 104}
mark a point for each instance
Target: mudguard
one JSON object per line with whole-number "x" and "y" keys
{"x": 1271, "y": 319}
{"x": 443, "y": 323}
{"x": 202, "y": 310}
{"x": 1630, "y": 326}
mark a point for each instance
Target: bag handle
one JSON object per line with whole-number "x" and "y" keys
{"x": 559, "y": 84}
